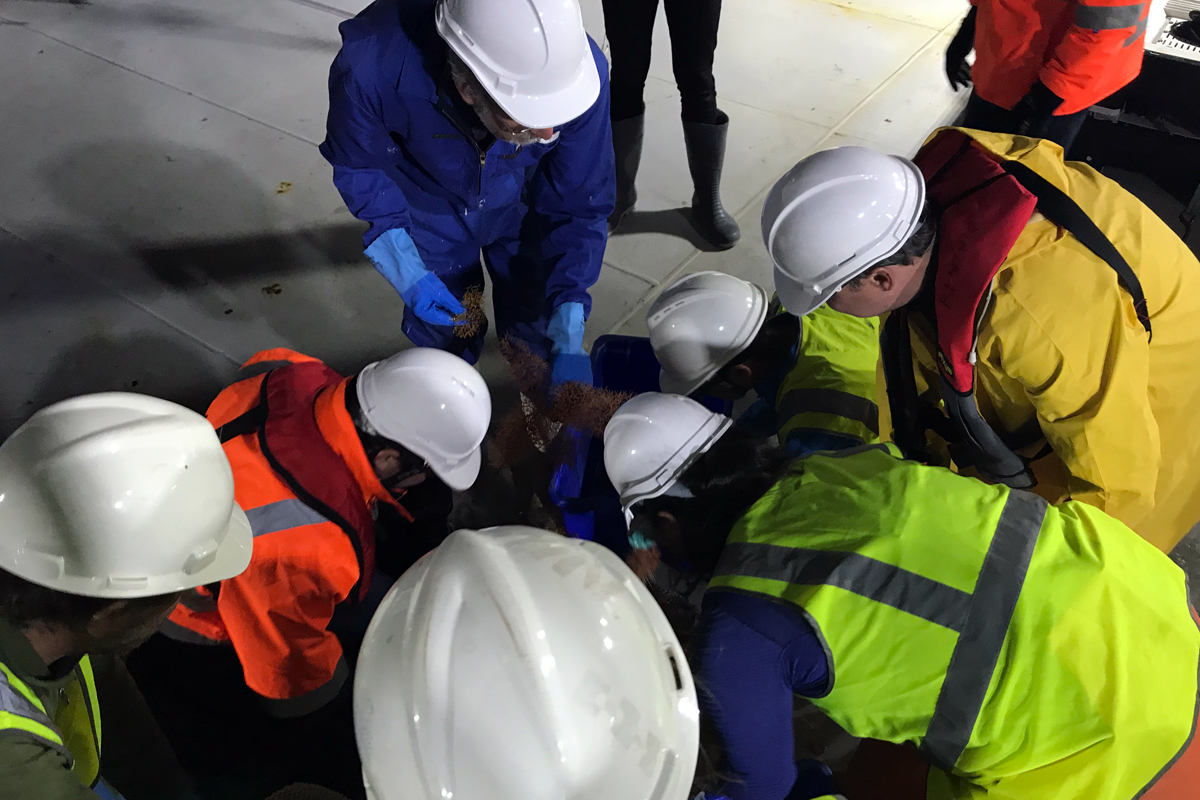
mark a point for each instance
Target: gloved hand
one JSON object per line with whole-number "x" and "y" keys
{"x": 958, "y": 71}
{"x": 565, "y": 330}
{"x": 1189, "y": 31}
{"x": 395, "y": 256}
{"x": 431, "y": 301}
{"x": 571, "y": 367}
{"x": 1035, "y": 109}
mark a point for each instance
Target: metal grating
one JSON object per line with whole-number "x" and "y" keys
{"x": 1166, "y": 44}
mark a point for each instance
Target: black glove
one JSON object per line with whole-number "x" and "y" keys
{"x": 958, "y": 71}
{"x": 1035, "y": 109}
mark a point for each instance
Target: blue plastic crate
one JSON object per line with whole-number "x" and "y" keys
{"x": 581, "y": 489}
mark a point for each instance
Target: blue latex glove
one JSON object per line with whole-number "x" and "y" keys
{"x": 571, "y": 367}
{"x": 566, "y": 332}
{"x": 395, "y": 256}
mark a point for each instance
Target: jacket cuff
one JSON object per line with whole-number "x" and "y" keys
{"x": 292, "y": 707}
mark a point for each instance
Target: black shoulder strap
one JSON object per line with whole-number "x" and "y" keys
{"x": 1062, "y": 210}
{"x": 248, "y": 422}
{"x": 911, "y": 417}
{"x": 255, "y": 417}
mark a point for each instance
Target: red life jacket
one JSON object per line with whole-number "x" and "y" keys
{"x": 982, "y": 205}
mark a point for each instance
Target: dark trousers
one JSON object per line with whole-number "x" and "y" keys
{"x": 629, "y": 25}
{"x": 215, "y": 722}
{"x": 224, "y": 737}
{"x": 986, "y": 116}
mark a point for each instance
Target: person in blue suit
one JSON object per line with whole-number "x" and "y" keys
{"x": 472, "y": 134}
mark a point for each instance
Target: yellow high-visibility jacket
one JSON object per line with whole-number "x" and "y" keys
{"x": 1032, "y": 652}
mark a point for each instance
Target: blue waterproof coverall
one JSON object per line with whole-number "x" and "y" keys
{"x": 403, "y": 157}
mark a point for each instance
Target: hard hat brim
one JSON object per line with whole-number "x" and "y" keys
{"x": 231, "y": 559}
{"x": 795, "y": 300}
{"x": 713, "y": 429}
{"x": 233, "y": 555}
{"x": 669, "y": 384}
{"x": 460, "y": 476}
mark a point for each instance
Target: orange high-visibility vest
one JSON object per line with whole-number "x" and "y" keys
{"x": 304, "y": 481}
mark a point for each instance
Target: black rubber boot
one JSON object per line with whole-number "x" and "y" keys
{"x": 627, "y": 145}
{"x": 706, "y": 154}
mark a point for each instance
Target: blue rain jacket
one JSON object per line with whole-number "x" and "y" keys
{"x": 403, "y": 158}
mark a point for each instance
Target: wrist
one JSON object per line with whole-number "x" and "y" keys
{"x": 395, "y": 255}
{"x": 1040, "y": 101}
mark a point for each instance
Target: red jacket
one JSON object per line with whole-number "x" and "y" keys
{"x": 308, "y": 496}
{"x": 1082, "y": 50}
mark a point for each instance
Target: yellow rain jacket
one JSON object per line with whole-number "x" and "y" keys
{"x": 1060, "y": 345}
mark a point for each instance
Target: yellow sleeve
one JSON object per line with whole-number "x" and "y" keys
{"x": 1085, "y": 371}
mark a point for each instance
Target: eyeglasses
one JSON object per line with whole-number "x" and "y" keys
{"x": 717, "y": 383}
{"x": 400, "y": 477}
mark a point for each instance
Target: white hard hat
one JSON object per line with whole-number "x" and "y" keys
{"x": 517, "y": 664}
{"x": 833, "y": 216}
{"x": 433, "y": 403}
{"x": 119, "y": 495}
{"x": 652, "y": 440}
{"x": 532, "y": 56}
{"x": 700, "y": 323}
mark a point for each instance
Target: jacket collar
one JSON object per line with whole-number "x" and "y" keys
{"x": 18, "y": 655}
{"x": 338, "y": 430}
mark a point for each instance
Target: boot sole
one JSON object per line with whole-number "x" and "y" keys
{"x": 719, "y": 244}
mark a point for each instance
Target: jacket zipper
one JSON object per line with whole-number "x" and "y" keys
{"x": 466, "y": 135}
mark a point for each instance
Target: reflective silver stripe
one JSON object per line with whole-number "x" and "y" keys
{"x": 982, "y": 637}
{"x": 14, "y": 702}
{"x": 1138, "y": 33}
{"x": 1108, "y": 18}
{"x": 830, "y": 401}
{"x": 864, "y": 576}
{"x": 281, "y": 515}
